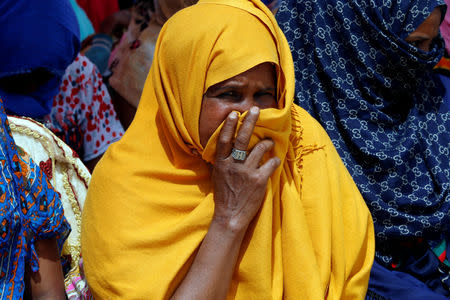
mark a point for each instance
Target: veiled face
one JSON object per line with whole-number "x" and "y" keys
{"x": 424, "y": 35}
{"x": 254, "y": 87}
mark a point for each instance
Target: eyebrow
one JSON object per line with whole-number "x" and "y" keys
{"x": 418, "y": 37}
{"x": 236, "y": 85}
{"x": 268, "y": 90}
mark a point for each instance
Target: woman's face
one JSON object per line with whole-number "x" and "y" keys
{"x": 254, "y": 87}
{"x": 424, "y": 35}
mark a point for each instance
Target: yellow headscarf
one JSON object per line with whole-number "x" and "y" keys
{"x": 150, "y": 201}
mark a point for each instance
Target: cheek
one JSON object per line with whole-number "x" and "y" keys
{"x": 213, "y": 113}
{"x": 272, "y": 103}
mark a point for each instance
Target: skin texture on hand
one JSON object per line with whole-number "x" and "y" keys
{"x": 239, "y": 190}
{"x": 239, "y": 187}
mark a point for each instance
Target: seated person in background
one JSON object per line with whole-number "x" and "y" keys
{"x": 364, "y": 70}
{"x": 68, "y": 177}
{"x": 32, "y": 225}
{"x": 190, "y": 213}
{"x": 46, "y": 84}
{"x": 35, "y": 53}
{"x": 131, "y": 59}
{"x": 83, "y": 115}
{"x": 97, "y": 47}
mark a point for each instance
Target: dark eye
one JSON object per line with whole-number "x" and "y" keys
{"x": 262, "y": 94}
{"x": 265, "y": 96}
{"x": 420, "y": 44}
{"x": 231, "y": 95}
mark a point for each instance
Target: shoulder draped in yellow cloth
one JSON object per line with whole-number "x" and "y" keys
{"x": 150, "y": 200}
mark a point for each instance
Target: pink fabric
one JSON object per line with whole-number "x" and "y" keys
{"x": 445, "y": 27}
{"x": 114, "y": 56}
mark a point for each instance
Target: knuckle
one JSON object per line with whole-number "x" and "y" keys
{"x": 241, "y": 140}
{"x": 224, "y": 139}
{"x": 228, "y": 126}
{"x": 261, "y": 147}
{"x": 261, "y": 181}
{"x": 222, "y": 164}
{"x": 219, "y": 163}
{"x": 256, "y": 178}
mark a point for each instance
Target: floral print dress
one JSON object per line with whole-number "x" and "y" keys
{"x": 83, "y": 115}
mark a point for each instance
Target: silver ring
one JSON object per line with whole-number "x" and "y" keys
{"x": 238, "y": 154}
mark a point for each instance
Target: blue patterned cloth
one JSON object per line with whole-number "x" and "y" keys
{"x": 387, "y": 284}
{"x": 381, "y": 104}
{"x": 446, "y": 82}
{"x": 36, "y": 34}
{"x": 30, "y": 210}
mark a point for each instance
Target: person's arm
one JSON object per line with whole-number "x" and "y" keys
{"x": 239, "y": 190}
{"x": 48, "y": 282}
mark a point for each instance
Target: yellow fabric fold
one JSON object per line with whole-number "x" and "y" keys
{"x": 150, "y": 200}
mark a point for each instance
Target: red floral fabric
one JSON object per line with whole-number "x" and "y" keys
{"x": 83, "y": 115}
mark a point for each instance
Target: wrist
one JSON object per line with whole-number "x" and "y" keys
{"x": 228, "y": 225}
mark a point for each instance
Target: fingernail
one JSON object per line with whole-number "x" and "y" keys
{"x": 254, "y": 109}
{"x": 233, "y": 115}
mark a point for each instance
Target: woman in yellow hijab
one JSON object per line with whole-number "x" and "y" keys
{"x": 178, "y": 210}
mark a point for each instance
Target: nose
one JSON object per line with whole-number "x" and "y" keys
{"x": 247, "y": 103}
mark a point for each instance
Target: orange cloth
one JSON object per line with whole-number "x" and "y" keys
{"x": 150, "y": 200}
{"x": 443, "y": 64}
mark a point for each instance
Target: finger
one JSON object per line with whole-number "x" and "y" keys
{"x": 254, "y": 158}
{"x": 225, "y": 141}
{"x": 246, "y": 130}
{"x": 267, "y": 169}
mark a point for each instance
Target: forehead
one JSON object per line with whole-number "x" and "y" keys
{"x": 399, "y": 17}
{"x": 263, "y": 73}
{"x": 435, "y": 17}
{"x": 430, "y": 25}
